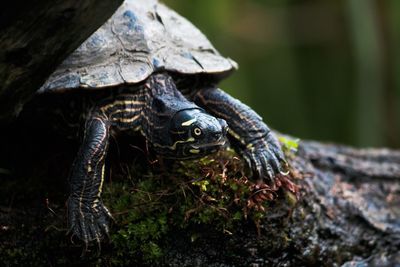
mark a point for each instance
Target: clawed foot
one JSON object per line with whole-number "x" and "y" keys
{"x": 88, "y": 222}
{"x": 266, "y": 158}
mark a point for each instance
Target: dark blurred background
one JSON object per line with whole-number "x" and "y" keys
{"x": 324, "y": 70}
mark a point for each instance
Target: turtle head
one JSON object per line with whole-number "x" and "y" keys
{"x": 192, "y": 134}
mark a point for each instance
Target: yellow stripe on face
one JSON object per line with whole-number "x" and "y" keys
{"x": 189, "y": 122}
{"x": 194, "y": 151}
{"x": 173, "y": 147}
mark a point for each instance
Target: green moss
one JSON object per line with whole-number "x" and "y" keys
{"x": 212, "y": 192}
{"x": 289, "y": 145}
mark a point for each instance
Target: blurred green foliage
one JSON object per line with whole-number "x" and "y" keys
{"x": 322, "y": 70}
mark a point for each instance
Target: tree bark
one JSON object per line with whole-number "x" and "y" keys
{"x": 348, "y": 214}
{"x": 35, "y": 36}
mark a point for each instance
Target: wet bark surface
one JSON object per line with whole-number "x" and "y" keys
{"x": 347, "y": 213}
{"x": 35, "y": 37}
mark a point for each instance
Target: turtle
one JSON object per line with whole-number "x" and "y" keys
{"x": 164, "y": 76}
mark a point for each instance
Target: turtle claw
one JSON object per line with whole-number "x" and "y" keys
{"x": 89, "y": 223}
{"x": 266, "y": 158}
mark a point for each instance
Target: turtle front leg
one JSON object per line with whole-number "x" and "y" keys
{"x": 88, "y": 218}
{"x": 248, "y": 134}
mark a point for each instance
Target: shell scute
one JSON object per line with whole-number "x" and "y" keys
{"x": 142, "y": 36}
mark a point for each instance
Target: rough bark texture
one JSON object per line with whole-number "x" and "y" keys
{"x": 347, "y": 215}
{"x": 35, "y": 36}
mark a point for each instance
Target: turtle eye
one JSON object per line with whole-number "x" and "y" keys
{"x": 197, "y": 131}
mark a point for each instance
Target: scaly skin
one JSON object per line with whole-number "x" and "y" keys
{"x": 249, "y": 135}
{"x": 88, "y": 218}
{"x": 174, "y": 126}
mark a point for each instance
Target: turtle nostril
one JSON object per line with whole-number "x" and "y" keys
{"x": 217, "y": 136}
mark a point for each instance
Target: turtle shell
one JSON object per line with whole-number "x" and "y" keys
{"x": 142, "y": 37}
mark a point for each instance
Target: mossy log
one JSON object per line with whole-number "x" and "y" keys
{"x": 348, "y": 214}
{"x": 347, "y": 211}
{"x": 35, "y": 36}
